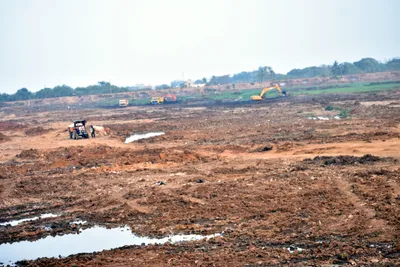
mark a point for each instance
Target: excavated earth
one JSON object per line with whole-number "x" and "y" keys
{"x": 284, "y": 181}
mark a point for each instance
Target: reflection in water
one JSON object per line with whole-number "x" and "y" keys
{"x": 89, "y": 240}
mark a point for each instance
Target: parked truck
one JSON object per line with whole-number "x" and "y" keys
{"x": 123, "y": 102}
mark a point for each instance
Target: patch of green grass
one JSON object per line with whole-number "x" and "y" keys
{"x": 138, "y": 102}
{"x": 222, "y": 96}
{"x": 356, "y": 88}
{"x": 329, "y": 108}
{"x": 106, "y": 103}
{"x": 347, "y": 88}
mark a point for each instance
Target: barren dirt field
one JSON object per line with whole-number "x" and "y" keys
{"x": 285, "y": 181}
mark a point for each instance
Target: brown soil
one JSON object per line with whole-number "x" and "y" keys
{"x": 344, "y": 160}
{"x": 36, "y": 131}
{"x": 9, "y": 126}
{"x": 3, "y": 138}
{"x": 264, "y": 175}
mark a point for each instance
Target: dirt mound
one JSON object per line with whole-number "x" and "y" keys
{"x": 234, "y": 148}
{"x": 9, "y": 126}
{"x": 105, "y": 155}
{"x": 36, "y": 131}
{"x": 29, "y": 154}
{"x": 3, "y": 138}
{"x": 344, "y": 160}
{"x": 263, "y": 148}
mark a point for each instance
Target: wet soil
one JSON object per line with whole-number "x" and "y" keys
{"x": 282, "y": 189}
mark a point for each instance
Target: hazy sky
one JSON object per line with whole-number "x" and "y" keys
{"x": 81, "y": 42}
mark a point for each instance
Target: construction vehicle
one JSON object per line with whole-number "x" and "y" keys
{"x": 123, "y": 102}
{"x": 276, "y": 86}
{"x": 156, "y": 100}
{"x": 165, "y": 99}
{"x": 78, "y": 129}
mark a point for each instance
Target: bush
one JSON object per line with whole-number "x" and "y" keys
{"x": 329, "y": 108}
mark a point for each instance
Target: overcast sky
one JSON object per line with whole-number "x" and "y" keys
{"x": 81, "y": 42}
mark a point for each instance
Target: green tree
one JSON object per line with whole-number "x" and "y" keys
{"x": 393, "y": 64}
{"x": 162, "y": 86}
{"x": 349, "y": 68}
{"x": 103, "y": 83}
{"x": 23, "y": 94}
{"x": 321, "y": 71}
{"x": 224, "y": 79}
{"x": 369, "y": 65}
{"x": 44, "y": 93}
{"x": 4, "y": 97}
{"x": 176, "y": 83}
{"x": 264, "y": 73}
{"x": 242, "y": 77}
{"x": 213, "y": 80}
{"x": 198, "y": 81}
{"x": 335, "y": 69}
{"x": 63, "y": 90}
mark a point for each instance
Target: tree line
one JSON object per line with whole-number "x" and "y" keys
{"x": 63, "y": 90}
{"x": 365, "y": 65}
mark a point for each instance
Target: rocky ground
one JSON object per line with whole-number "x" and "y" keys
{"x": 292, "y": 181}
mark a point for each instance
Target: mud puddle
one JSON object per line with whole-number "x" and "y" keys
{"x": 136, "y": 137}
{"x": 293, "y": 249}
{"x": 42, "y": 216}
{"x": 87, "y": 241}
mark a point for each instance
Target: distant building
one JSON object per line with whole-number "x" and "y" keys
{"x": 199, "y": 85}
{"x": 188, "y": 83}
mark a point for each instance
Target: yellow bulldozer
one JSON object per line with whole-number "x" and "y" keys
{"x": 276, "y": 86}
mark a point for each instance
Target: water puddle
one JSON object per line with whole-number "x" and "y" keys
{"x": 89, "y": 240}
{"x": 319, "y": 118}
{"x": 78, "y": 221}
{"x": 42, "y": 216}
{"x": 293, "y": 249}
{"x": 136, "y": 137}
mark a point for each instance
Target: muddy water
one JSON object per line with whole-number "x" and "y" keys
{"x": 87, "y": 241}
{"x": 136, "y": 137}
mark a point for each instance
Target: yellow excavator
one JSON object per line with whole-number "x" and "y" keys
{"x": 276, "y": 86}
{"x": 165, "y": 99}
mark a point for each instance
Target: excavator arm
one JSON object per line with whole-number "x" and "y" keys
{"x": 260, "y": 97}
